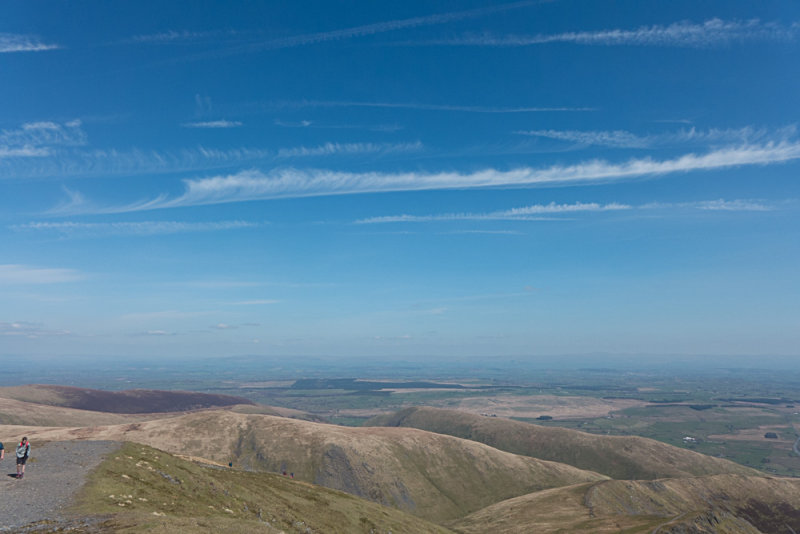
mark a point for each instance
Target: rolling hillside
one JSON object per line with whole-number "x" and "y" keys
{"x": 15, "y": 412}
{"x": 173, "y": 475}
{"x": 433, "y": 476}
{"x": 132, "y": 401}
{"x": 624, "y": 458}
{"x": 141, "y": 489}
{"x": 731, "y": 504}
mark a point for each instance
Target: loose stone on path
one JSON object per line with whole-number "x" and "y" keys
{"x": 53, "y": 475}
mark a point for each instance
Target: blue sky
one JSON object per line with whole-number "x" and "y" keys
{"x": 399, "y": 179}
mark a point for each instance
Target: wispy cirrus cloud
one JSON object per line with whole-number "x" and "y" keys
{"x": 553, "y": 211}
{"x": 293, "y": 124}
{"x": 330, "y": 149}
{"x": 483, "y": 232}
{"x": 425, "y": 107}
{"x": 11, "y": 42}
{"x": 367, "y": 29}
{"x": 625, "y": 139}
{"x": 93, "y": 162}
{"x": 156, "y": 333}
{"x": 23, "y": 152}
{"x": 213, "y": 124}
{"x": 713, "y": 32}
{"x": 180, "y": 36}
{"x": 37, "y": 139}
{"x": 139, "y": 228}
{"x": 25, "y": 274}
{"x": 291, "y": 183}
{"x": 537, "y": 212}
{"x": 387, "y": 128}
{"x": 713, "y": 205}
{"x": 255, "y": 302}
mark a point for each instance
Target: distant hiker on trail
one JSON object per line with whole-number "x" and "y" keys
{"x": 2, "y": 451}
{"x": 23, "y": 451}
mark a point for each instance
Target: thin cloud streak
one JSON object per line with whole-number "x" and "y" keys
{"x": 713, "y": 32}
{"x": 24, "y": 152}
{"x": 213, "y": 124}
{"x": 534, "y": 212}
{"x": 172, "y": 36}
{"x": 257, "y": 302}
{"x": 10, "y": 42}
{"x": 527, "y": 213}
{"x": 141, "y": 228}
{"x": 38, "y": 139}
{"x": 366, "y": 30}
{"x": 136, "y": 161}
{"x": 625, "y": 139}
{"x": 291, "y": 183}
{"x": 427, "y": 107}
{"x": 329, "y": 149}
{"x": 712, "y": 205}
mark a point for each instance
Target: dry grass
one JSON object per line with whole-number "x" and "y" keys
{"x": 15, "y": 412}
{"x": 430, "y": 475}
{"x": 626, "y": 458}
{"x": 728, "y": 503}
{"x": 147, "y": 490}
{"x": 558, "y": 510}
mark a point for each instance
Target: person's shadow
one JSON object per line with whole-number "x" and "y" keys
{"x": 12, "y": 475}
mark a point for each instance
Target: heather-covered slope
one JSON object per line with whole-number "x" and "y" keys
{"x": 625, "y": 458}
{"x": 124, "y": 402}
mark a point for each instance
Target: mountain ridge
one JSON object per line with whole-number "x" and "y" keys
{"x": 618, "y": 457}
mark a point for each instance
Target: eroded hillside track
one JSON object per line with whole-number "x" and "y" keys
{"x": 54, "y": 474}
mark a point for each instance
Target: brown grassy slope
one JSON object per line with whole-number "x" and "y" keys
{"x": 14, "y": 412}
{"x": 714, "y": 504}
{"x": 125, "y": 402}
{"x": 43, "y": 409}
{"x": 279, "y": 411}
{"x": 148, "y": 490}
{"x": 433, "y": 476}
{"x": 556, "y": 510}
{"x": 625, "y": 458}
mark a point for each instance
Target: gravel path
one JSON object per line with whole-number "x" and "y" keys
{"x": 55, "y": 471}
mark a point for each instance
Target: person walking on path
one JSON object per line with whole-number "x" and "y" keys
{"x": 2, "y": 451}
{"x": 23, "y": 451}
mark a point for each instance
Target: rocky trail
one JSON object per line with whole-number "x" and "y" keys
{"x": 54, "y": 474}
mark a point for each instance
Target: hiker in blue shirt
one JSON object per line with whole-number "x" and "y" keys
{"x": 23, "y": 451}
{"x": 2, "y": 451}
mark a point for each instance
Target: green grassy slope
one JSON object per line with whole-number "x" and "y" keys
{"x": 148, "y": 490}
{"x": 625, "y": 458}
